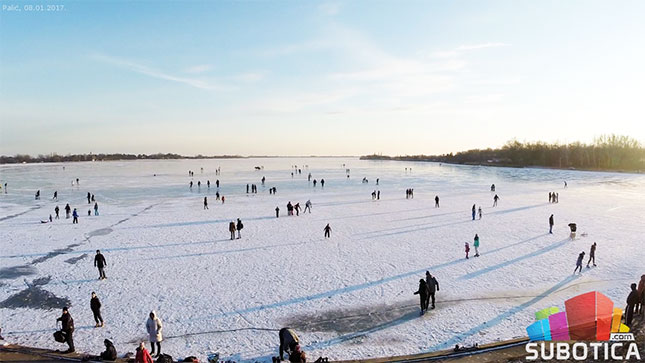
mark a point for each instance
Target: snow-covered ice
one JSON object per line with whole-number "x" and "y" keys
{"x": 350, "y": 296}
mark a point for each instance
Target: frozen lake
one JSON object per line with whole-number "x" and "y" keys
{"x": 350, "y": 296}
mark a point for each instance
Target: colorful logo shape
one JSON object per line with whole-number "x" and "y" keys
{"x": 590, "y": 316}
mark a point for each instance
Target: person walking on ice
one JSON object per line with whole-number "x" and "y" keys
{"x": 96, "y": 208}
{"x": 592, "y": 255}
{"x": 205, "y": 202}
{"x": 573, "y": 227}
{"x": 327, "y": 231}
{"x": 581, "y": 257}
{"x": 154, "y": 328}
{"x": 99, "y": 262}
{"x": 75, "y": 216}
{"x": 495, "y": 199}
{"x": 57, "y": 211}
{"x": 307, "y": 206}
{"x": 68, "y": 210}
{"x": 473, "y": 212}
{"x": 436, "y": 201}
{"x": 476, "y": 244}
{"x": 551, "y": 224}
{"x": 68, "y": 329}
{"x": 231, "y": 228}
{"x": 239, "y": 228}
{"x": 277, "y": 212}
{"x": 433, "y": 286}
{"x": 467, "y": 249}
{"x": 479, "y": 212}
{"x": 95, "y": 306}
{"x": 423, "y": 295}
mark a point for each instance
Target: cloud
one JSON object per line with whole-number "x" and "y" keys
{"x": 145, "y": 70}
{"x": 466, "y": 48}
{"x": 200, "y": 68}
{"x": 249, "y": 77}
{"x": 329, "y": 8}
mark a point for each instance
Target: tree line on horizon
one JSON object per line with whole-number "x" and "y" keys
{"x": 55, "y": 158}
{"x": 607, "y": 152}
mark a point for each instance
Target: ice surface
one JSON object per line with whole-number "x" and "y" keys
{"x": 350, "y": 296}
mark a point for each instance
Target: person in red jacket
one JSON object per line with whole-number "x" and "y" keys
{"x": 142, "y": 355}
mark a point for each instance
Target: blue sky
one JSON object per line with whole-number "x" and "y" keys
{"x": 318, "y": 77}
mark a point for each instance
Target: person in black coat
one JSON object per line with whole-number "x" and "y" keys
{"x": 433, "y": 286}
{"x": 68, "y": 328}
{"x": 95, "y": 305}
{"x": 99, "y": 262}
{"x": 632, "y": 301}
{"x": 110, "y": 351}
{"x": 551, "y": 224}
{"x": 423, "y": 295}
{"x": 239, "y": 228}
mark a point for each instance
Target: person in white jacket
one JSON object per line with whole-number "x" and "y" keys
{"x": 154, "y": 327}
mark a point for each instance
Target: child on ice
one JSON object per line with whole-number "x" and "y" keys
{"x": 467, "y": 248}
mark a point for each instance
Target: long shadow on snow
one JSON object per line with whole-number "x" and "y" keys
{"x": 343, "y": 290}
{"x": 501, "y": 317}
{"x": 515, "y": 260}
{"x": 113, "y": 249}
{"x": 234, "y": 251}
{"x": 197, "y": 223}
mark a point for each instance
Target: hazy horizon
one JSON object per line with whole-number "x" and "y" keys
{"x": 325, "y": 78}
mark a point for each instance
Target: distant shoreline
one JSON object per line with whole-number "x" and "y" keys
{"x": 498, "y": 165}
{"x": 25, "y": 159}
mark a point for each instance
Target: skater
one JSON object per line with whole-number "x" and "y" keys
{"x": 190, "y": 185}
{"x": 75, "y": 215}
{"x": 288, "y": 341}
{"x": 479, "y": 212}
{"x": 95, "y": 305}
{"x": 217, "y": 183}
{"x": 263, "y": 179}
{"x": 93, "y": 200}
{"x": 565, "y": 184}
{"x": 573, "y": 228}
{"x": 327, "y": 231}
{"x": 433, "y": 286}
{"x": 205, "y": 202}
{"x": 309, "y": 177}
{"x": 142, "y": 354}
{"x": 581, "y": 257}
{"x": 436, "y": 201}
{"x": 154, "y": 328}
{"x": 641, "y": 294}
{"x": 57, "y": 210}
{"x": 217, "y": 197}
{"x": 96, "y": 208}
{"x": 223, "y": 199}
{"x": 208, "y": 184}
{"x": 289, "y": 209}
{"x": 307, "y": 206}
{"x": 89, "y": 212}
{"x": 592, "y": 255}
{"x": 474, "y": 212}
{"x": 476, "y": 244}
{"x": 68, "y": 210}
{"x": 467, "y": 249}
{"x": 492, "y": 187}
{"x": 99, "y": 262}
{"x": 89, "y": 198}
{"x": 557, "y": 198}
{"x": 315, "y": 183}
{"x": 378, "y": 195}
{"x": 277, "y": 212}
{"x": 374, "y": 195}
{"x": 37, "y": 197}
{"x": 632, "y": 301}
{"x": 239, "y": 228}
{"x": 68, "y": 329}
{"x": 423, "y": 295}
{"x": 495, "y": 199}
{"x": 297, "y": 209}
{"x": 550, "y": 197}
{"x": 247, "y": 189}
{"x": 55, "y": 196}
{"x": 551, "y": 224}
{"x": 322, "y": 183}
{"x": 231, "y": 228}
{"x": 377, "y": 181}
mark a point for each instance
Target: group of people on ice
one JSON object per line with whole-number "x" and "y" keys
{"x": 426, "y": 292}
